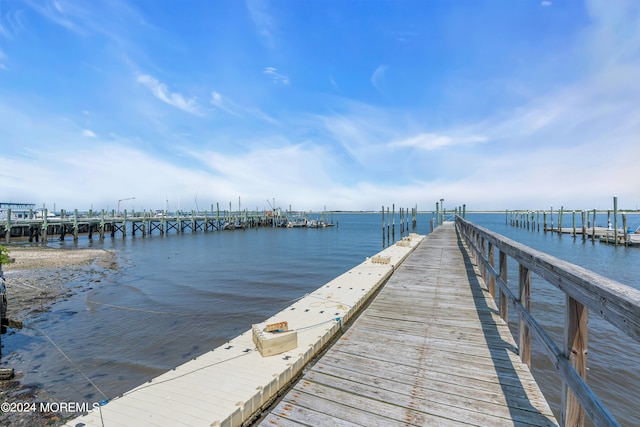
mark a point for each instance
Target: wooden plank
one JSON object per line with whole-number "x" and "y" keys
{"x": 431, "y": 349}
{"x": 353, "y": 407}
{"x": 445, "y": 403}
{"x": 428, "y": 377}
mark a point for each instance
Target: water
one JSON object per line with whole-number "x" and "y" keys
{"x": 175, "y": 297}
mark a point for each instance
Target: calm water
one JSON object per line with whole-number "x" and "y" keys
{"x": 175, "y": 297}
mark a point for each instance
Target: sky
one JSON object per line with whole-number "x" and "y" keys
{"x": 348, "y": 105}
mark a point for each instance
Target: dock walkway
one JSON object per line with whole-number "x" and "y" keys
{"x": 431, "y": 349}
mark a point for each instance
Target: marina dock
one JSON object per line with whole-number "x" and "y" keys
{"x": 42, "y": 226}
{"x": 431, "y": 349}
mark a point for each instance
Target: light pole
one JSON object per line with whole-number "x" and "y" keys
{"x": 442, "y": 210}
{"x": 122, "y": 200}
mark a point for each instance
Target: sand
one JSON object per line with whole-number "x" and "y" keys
{"x": 27, "y": 258}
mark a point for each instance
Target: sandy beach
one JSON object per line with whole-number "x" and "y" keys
{"x": 38, "y": 278}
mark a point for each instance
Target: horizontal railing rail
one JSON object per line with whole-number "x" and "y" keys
{"x": 585, "y": 290}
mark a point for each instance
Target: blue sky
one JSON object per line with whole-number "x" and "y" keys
{"x": 344, "y": 104}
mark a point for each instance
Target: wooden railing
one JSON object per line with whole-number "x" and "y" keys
{"x": 584, "y": 290}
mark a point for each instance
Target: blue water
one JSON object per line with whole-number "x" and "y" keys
{"x": 174, "y": 297}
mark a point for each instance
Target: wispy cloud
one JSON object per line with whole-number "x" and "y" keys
{"x": 224, "y": 104}
{"x": 61, "y": 13}
{"x": 432, "y": 141}
{"x": 88, "y": 133}
{"x": 10, "y": 23}
{"x": 275, "y": 76}
{"x": 160, "y": 91}
{"x": 545, "y": 3}
{"x": 263, "y": 21}
{"x": 334, "y": 84}
{"x": 377, "y": 77}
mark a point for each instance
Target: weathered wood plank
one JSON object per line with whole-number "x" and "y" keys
{"x": 453, "y": 396}
{"x": 472, "y": 387}
{"x": 431, "y": 349}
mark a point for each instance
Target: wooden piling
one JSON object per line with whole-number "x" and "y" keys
{"x": 393, "y": 221}
{"x": 75, "y": 225}
{"x": 45, "y": 226}
{"x": 101, "y": 229}
{"x": 615, "y": 219}
{"x": 560, "y": 214}
{"x": 388, "y": 226}
{"x": 383, "y": 239}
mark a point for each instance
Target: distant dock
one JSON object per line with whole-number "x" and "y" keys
{"x": 583, "y": 224}
{"x": 43, "y": 226}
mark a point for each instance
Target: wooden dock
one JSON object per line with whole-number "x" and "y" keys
{"x": 431, "y": 349}
{"x": 43, "y": 227}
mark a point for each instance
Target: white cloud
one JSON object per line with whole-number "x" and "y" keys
{"x": 161, "y": 92}
{"x": 545, "y": 3}
{"x": 432, "y": 141}
{"x": 88, "y": 133}
{"x": 275, "y": 76}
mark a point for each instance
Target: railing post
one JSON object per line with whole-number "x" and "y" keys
{"x": 504, "y": 306}
{"x": 482, "y": 256}
{"x": 492, "y": 280}
{"x": 575, "y": 338}
{"x": 524, "y": 347}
